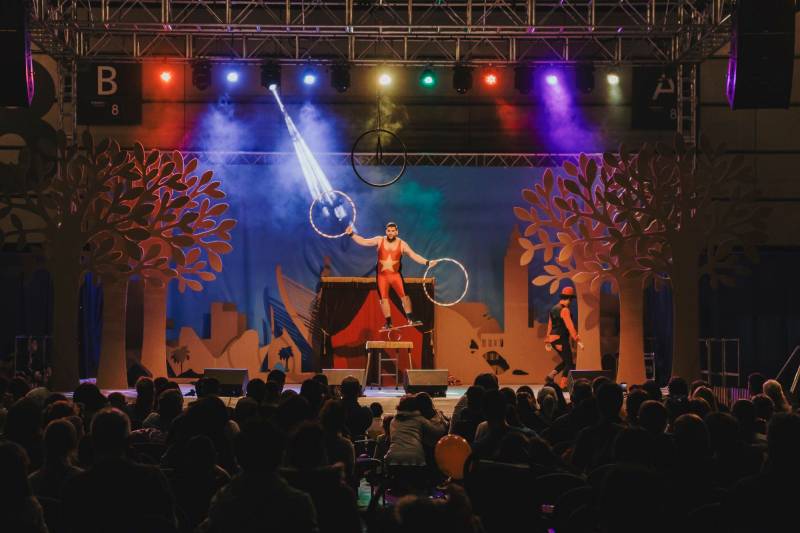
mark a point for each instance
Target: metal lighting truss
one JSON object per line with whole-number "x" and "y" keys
{"x": 385, "y": 31}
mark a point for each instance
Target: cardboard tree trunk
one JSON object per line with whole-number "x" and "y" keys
{"x": 588, "y": 357}
{"x": 630, "y": 368}
{"x": 66, "y": 305}
{"x": 685, "y": 327}
{"x": 154, "y": 334}
{"x": 112, "y": 372}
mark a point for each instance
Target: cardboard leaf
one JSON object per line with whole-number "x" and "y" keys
{"x": 541, "y": 281}
{"x": 526, "y": 257}
{"x": 521, "y": 213}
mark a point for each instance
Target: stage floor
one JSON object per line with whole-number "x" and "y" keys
{"x": 386, "y": 396}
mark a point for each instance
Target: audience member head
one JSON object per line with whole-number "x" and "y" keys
{"x": 609, "y": 400}
{"x": 487, "y": 380}
{"x": 509, "y": 395}
{"x": 145, "y": 392}
{"x": 278, "y": 377}
{"x": 783, "y": 442}
{"x": 207, "y": 387}
{"x": 259, "y": 447}
{"x": 350, "y": 389}
{"x": 256, "y": 389}
{"x": 292, "y": 411}
{"x": 198, "y": 457}
{"x": 272, "y": 393}
{"x": 89, "y": 396}
{"x": 691, "y": 438}
{"x": 170, "y": 405}
{"x": 696, "y": 384}
{"x": 54, "y": 397}
{"x": 376, "y": 409}
{"x": 581, "y": 390}
{"x": 117, "y": 400}
{"x": 110, "y": 430}
{"x": 745, "y": 413}
{"x": 755, "y": 383}
{"x": 699, "y": 407}
{"x": 652, "y": 389}
{"x": 59, "y": 409}
{"x": 764, "y": 406}
{"x": 246, "y": 408}
{"x": 633, "y": 402}
{"x": 24, "y": 423}
{"x": 160, "y": 384}
{"x": 312, "y": 391}
{"x": 723, "y": 432}
{"x": 475, "y": 398}
{"x": 306, "y": 447}
{"x": 634, "y": 445}
{"x": 527, "y": 389}
{"x": 60, "y": 442}
{"x": 408, "y": 403}
{"x": 14, "y": 489}
{"x": 708, "y": 395}
{"x": 774, "y": 390}
{"x": 598, "y": 382}
{"x": 322, "y": 379}
{"x": 548, "y": 401}
{"x": 653, "y": 417}
{"x": 677, "y": 387}
{"x": 332, "y": 416}
{"x": 494, "y": 407}
{"x": 425, "y": 405}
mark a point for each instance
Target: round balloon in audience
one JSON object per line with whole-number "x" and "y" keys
{"x": 451, "y": 453}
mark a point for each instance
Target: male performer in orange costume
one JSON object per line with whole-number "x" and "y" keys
{"x": 389, "y": 269}
{"x": 560, "y": 332}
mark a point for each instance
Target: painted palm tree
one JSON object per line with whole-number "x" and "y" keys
{"x": 179, "y": 356}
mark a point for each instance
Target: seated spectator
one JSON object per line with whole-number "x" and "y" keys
{"x": 755, "y": 383}
{"x": 594, "y": 445}
{"x": 471, "y": 416}
{"x": 548, "y": 404}
{"x": 376, "y": 428}
{"x": 205, "y": 416}
{"x": 292, "y": 411}
{"x": 18, "y": 388}
{"x": 526, "y": 412}
{"x": 313, "y": 392}
{"x": 732, "y": 459}
{"x": 486, "y": 381}
{"x": 58, "y": 409}
{"x": 764, "y": 407}
{"x": 19, "y": 509}
{"x": 60, "y": 447}
{"x": 767, "y": 501}
{"x": 745, "y": 413}
{"x": 310, "y": 470}
{"x": 774, "y": 390}
{"x": 707, "y": 394}
{"x": 653, "y": 418}
{"x": 653, "y": 390}
{"x": 514, "y": 447}
{"x": 487, "y": 445}
{"x": 633, "y": 402}
{"x": 435, "y": 416}
{"x": 89, "y": 399}
{"x": 170, "y": 405}
{"x": 278, "y": 377}
{"x": 256, "y": 389}
{"x": 118, "y": 401}
{"x": 698, "y": 406}
{"x": 634, "y": 446}
{"x": 145, "y": 401}
{"x": 195, "y": 481}
{"x": 692, "y": 461}
{"x": 696, "y": 384}
{"x": 414, "y": 514}
{"x": 411, "y": 432}
{"x": 23, "y": 426}
{"x": 115, "y": 494}
{"x": 339, "y": 448}
{"x": 357, "y": 417}
{"x": 246, "y": 408}
{"x": 583, "y": 413}
{"x": 259, "y": 499}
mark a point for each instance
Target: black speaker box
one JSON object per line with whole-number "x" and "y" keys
{"x": 337, "y": 375}
{"x": 586, "y": 374}
{"x": 232, "y": 381}
{"x": 16, "y": 61}
{"x": 434, "y": 382}
{"x": 761, "y": 61}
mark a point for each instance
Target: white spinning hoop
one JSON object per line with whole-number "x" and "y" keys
{"x": 311, "y": 212}
{"x": 466, "y": 284}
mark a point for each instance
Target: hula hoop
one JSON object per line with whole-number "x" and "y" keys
{"x": 353, "y": 157}
{"x": 311, "y": 211}
{"x": 466, "y": 285}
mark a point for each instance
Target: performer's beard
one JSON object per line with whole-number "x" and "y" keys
{"x": 391, "y": 239}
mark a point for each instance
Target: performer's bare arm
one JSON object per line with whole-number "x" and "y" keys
{"x": 358, "y": 239}
{"x": 414, "y": 255}
{"x": 570, "y": 326}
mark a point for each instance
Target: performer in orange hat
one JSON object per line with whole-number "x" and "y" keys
{"x": 560, "y": 331}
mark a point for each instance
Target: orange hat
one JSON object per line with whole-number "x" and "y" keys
{"x": 568, "y": 292}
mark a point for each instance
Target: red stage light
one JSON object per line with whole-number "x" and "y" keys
{"x": 166, "y": 76}
{"x": 490, "y": 79}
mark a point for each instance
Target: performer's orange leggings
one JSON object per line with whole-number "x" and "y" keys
{"x": 393, "y": 280}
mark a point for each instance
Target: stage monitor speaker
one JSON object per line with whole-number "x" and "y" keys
{"x": 337, "y": 375}
{"x": 761, "y": 56}
{"x": 16, "y": 60}
{"x": 586, "y": 374}
{"x": 232, "y": 381}
{"x": 434, "y": 382}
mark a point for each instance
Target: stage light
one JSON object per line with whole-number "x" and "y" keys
{"x": 166, "y": 76}
{"x": 232, "y": 76}
{"x": 384, "y": 80}
{"x": 612, "y": 78}
{"x": 551, "y": 79}
{"x": 584, "y": 77}
{"x": 270, "y": 75}
{"x": 490, "y": 78}
{"x": 201, "y": 74}
{"x": 427, "y": 78}
{"x": 340, "y": 77}
{"x": 309, "y": 77}
{"x": 522, "y": 78}
{"x": 462, "y": 79}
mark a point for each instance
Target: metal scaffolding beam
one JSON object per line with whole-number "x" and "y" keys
{"x": 385, "y": 31}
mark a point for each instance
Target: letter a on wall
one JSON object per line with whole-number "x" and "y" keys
{"x": 109, "y": 93}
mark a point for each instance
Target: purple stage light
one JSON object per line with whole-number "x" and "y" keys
{"x": 551, "y": 79}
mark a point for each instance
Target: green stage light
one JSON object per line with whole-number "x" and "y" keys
{"x": 427, "y": 78}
